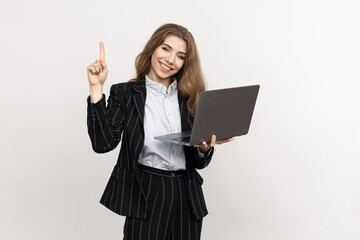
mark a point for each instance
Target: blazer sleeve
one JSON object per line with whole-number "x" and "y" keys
{"x": 106, "y": 123}
{"x": 200, "y": 160}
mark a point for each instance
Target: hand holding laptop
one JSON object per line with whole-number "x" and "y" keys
{"x": 205, "y": 147}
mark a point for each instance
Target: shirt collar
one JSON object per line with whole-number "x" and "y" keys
{"x": 158, "y": 88}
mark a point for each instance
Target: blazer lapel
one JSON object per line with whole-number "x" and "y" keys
{"x": 139, "y": 97}
{"x": 186, "y": 118}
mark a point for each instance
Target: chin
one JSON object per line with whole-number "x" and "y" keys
{"x": 165, "y": 75}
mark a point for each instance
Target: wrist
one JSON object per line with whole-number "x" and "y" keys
{"x": 96, "y": 92}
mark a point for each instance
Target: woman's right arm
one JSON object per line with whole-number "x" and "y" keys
{"x": 105, "y": 123}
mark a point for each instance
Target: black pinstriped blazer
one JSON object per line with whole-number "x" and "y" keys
{"x": 123, "y": 119}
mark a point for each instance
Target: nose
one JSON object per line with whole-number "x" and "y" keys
{"x": 170, "y": 59}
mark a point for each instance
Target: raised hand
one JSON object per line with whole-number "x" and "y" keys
{"x": 97, "y": 71}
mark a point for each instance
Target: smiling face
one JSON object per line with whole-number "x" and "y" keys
{"x": 167, "y": 60}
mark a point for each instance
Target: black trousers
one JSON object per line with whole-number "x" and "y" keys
{"x": 170, "y": 215}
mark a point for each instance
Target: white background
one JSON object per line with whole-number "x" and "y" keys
{"x": 294, "y": 176}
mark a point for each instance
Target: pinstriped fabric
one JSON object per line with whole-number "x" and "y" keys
{"x": 197, "y": 196}
{"x": 171, "y": 204}
{"x": 105, "y": 136}
{"x": 181, "y": 212}
{"x": 131, "y": 196}
{"x": 170, "y": 216}
{"x": 102, "y": 130}
{"x": 161, "y": 208}
{"x": 132, "y": 111}
{"x": 122, "y": 119}
{"x": 151, "y": 219}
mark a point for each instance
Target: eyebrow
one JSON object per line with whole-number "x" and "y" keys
{"x": 172, "y": 48}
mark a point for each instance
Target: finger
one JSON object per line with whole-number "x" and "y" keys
{"x": 96, "y": 70}
{"x": 224, "y": 141}
{"x": 213, "y": 140}
{"x": 103, "y": 64}
{"x": 89, "y": 68}
{"x": 197, "y": 145}
{"x": 201, "y": 145}
{"x": 229, "y": 139}
{"x": 92, "y": 69}
{"x": 102, "y": 51}
{"x": 98, "y": 62}
{"x": 96, "y": 66}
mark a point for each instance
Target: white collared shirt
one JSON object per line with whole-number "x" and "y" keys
{"x": 161, "y": 116}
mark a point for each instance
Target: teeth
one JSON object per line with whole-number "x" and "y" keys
{"x": 165, "y": 66}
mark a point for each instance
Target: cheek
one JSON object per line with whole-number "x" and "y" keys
{"x": 180, "y": 65}
{"x": 154, "y": 61}
{"x": 157, "y": 54}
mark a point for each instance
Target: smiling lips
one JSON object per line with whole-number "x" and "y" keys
{"x": 165, "y": 68}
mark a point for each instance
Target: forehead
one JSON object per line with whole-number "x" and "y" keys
{"x": 176, "y": 43}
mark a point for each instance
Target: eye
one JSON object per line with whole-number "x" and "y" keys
{"x": 181, "y": 57}
{"x": 165, "y": 49}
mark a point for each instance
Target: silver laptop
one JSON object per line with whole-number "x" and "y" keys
{"x": 223, "y": 112}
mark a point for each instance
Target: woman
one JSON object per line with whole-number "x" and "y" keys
{"x": 154, "y": 184}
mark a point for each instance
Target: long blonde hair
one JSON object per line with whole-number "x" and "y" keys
{"x": 191, "y": 80}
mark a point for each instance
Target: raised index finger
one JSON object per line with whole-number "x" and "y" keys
{"x": 102, "y": 51}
